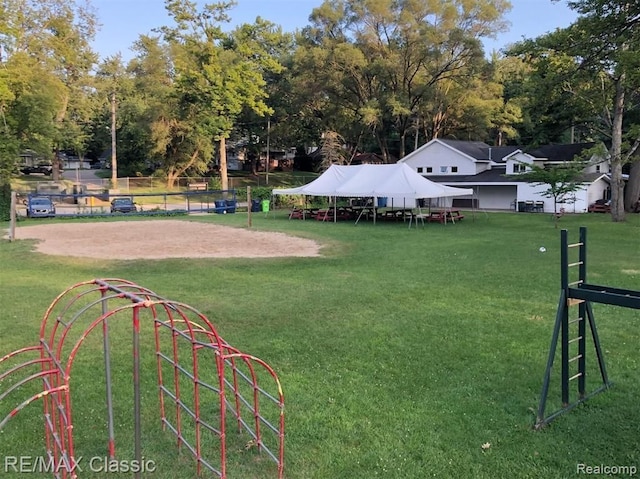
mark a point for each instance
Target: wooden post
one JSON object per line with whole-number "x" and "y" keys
{"x": 249, "y": 206}
{"x": 12, "y": 216}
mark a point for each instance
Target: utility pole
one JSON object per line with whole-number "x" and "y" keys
{"x": 114, "y": 160}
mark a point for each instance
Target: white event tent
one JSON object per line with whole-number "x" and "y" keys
{"x": 396, "y": 180}
{"x": 398, "y": 183}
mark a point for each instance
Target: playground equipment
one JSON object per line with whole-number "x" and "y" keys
{"x": 205, "y": 386}
{"x": 573, "y": 333}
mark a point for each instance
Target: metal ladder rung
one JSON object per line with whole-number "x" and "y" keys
{"x": 576, "y": 358}
{"x": 574, "y": 245}
{"x": 575, "y": 376}
{"x": 577, "y": 320}
{"x": 575, "y": 339}
{"x": 577, "y": 263}
{"x": 576, "y": 282}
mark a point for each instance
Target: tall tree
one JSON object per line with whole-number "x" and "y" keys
{"x": 381, "y": 62}
{"x": 52, "y": 38}
{"x": 110, "y": 77}
{"x": 332, "y": 150}
{"x": 218, "y": 73}
{"x": 599, "y": 58}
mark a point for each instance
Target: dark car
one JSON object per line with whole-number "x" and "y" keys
{"x": 40, "y": 207}
{"x": 123, "y": 205}
{"x": 41, "y": 169}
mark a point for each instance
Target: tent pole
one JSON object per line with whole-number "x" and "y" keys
{"x": 375, "y": 209}
{"x": 473, "y": 205}
{"x": 477, "y": 196}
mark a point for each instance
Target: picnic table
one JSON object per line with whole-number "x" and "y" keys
{"x": 360, "y": 212}
{"x": 443, "y": 216}
{"x": 303, "y": 213}
{"x": 399, "y": 214}
{"x": 327, "y": 214}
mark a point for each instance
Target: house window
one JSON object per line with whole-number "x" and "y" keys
{"x": 419, "y": 169}
{"x": 444, "y": 169}
{"x": 429, "y": 169}
{"x": 454, "y": 169}
{"x": 519, "y": 168}
{"x": 597, "y": 168}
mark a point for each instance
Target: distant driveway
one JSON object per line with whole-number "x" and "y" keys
{"x": 83, "y": 177}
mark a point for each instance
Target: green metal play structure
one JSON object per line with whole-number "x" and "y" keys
{"x": 578, "y": 294}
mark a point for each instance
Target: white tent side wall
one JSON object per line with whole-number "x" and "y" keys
{"x": 397, "y": 182}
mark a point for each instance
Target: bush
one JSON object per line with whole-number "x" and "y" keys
{"x": 5, "y": 202}
{"x": 257, "y": 193}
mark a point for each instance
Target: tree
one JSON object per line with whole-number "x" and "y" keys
{"x": 217, "y": 75}
{"x": 597, "y": 72}
{"x": 46, "y": 48}
{"x": 332, "y": 150}
{"x": 148, "y": 107}
{"x": 109, "y": 81}
{"x": 562, "y": 181}
{"x": 378, "y": 65}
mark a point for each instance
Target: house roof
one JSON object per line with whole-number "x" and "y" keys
{"x": 592, "y": 177}
{"x": 494, "y": 175}
{"x": 480, "y": 151}
{"x": 559, "y": 152}
{"x": 498, "y": 175}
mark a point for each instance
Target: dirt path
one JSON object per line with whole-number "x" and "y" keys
{"x": 162, "y": 239}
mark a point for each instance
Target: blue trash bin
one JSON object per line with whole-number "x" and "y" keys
{"x": 230, "y": 206}
{"x": 221, "y": 207}
{"x": 256, "y": 206}
{"x": 382, "y": 202}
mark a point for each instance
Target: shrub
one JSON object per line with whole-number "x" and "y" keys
{"x": 5, "y": 202}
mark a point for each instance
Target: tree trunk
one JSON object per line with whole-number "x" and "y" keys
{"x": 176, "y": 172}
{"x": 384, "y": 151}
{"x": 224, "y": 177}
{"x": 55, "y": 164}
{"x": 62, "y": 114}
{"x": 172, "y": 176}
{"x": 632, "y": 192}
{"x": 617, "y": 183}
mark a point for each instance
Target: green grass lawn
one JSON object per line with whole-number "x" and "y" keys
{"x": 401, "y": 352}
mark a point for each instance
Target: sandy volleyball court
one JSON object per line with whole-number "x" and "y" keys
{"x": 160, "y": 239}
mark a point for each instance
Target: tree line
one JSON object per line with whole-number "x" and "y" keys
{"x": 374, "y": 76}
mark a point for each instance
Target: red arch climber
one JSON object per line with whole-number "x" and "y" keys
{"x": 204, "y": 385}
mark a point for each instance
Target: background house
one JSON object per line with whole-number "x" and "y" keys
{"x": 492, "y": 172}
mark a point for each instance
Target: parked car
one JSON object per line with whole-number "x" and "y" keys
{"x": 40, "y": 207}
{"x": 123, "y": 205}
{"x": 42, "y": 169}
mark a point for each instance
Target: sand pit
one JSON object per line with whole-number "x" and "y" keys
{"x": 159, "y": 239}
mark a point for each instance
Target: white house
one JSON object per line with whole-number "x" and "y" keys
{"x": 492, "y": 173}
